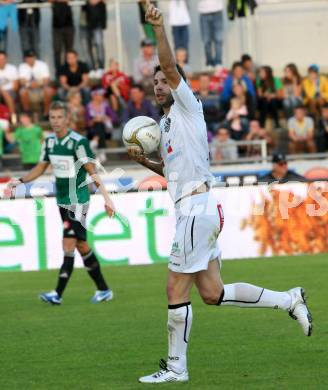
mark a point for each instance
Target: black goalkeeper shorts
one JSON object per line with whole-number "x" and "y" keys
{"x": 74, "y": 221}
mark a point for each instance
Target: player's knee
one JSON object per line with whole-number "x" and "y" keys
{"x": 212, "y": 297}
{"x": 68, "y": 247}
{"x": 83, "y": 247}
{"x": 170, "y": 292}
{"x": 174, "y": 294}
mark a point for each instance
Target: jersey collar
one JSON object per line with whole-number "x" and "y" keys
{"x": 62, "y": 141}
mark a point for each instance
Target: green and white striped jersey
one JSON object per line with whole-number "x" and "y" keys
{"x": 67, "y": 156}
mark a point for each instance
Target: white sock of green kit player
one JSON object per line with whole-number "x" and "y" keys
{"x": 248, "y": 295}
{"x": 179, "y": 326}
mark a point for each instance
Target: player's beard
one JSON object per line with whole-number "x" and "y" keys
{"x": 168, "y": 102}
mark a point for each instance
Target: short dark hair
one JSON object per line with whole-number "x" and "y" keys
{"x": 72, "y": 51}
{"x": 138, "y": 86}
{"x": 179, "y": 69}
{"x": 300, "y": 107}
{"x": 204, "y": 74}
{"x": 245, "y": 57}
{"x": 3, "y": 53}
{"x": 58, "y": 105}
{"x": 325, "y": 106}
{"x": 236, "y": 64}
{"x": 24, "y": 113}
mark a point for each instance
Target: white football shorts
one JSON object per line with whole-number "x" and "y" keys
{"x": 199, "y": 221}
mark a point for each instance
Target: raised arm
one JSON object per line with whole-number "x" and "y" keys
{"x": 166, "y": 58}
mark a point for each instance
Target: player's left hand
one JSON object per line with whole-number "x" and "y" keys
{"x": 110, "y": 209}
{"x": 153, "y": 15}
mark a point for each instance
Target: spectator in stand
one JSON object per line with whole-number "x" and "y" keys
{"x": 315, "y": 89}
{"x": 239, "y": 92}
{"x": 139, "y": 105}
{"x": 96, "y": 17}
{"x": 181, "y": 57}
{"x": 8, "y": 14}
{"x": 143, "y": 68}
{"x": 100, "y": 118}
{"x": 83, "y": 36}
{"x": 257, "y": 133}
{"x": 63, "y": 30}
{"x": 8, "y": 82}
{"x": 115, "y": 75}
{"x": 74, "y": 74}
{"x": 77, "y": 111}
{"x": 148, "y": 28}
{"x": 34, "y": 76}
{"x": 29, "y": 138}
{"x": 117, "y": 86}
{"x": 5, "y": 135}
{"x": 223, "y": 147}
{"x": 322, "y": 141}
{"x": 179, "y": 20}
{"x": 269, "y": 92}
{"x": 249, "y": 67}
{"x": 301, "y": 132}
{"x": 236, "y": 119}
{"x": 211, "y": 23}
{"x": 218, "y": 79}
{"x": 237, "y": 76}
{"x": 280, "y": 172}
{"x": 29, "y": 27}
{"x": 292, "y": 89}
{"x": 211, "y": 103}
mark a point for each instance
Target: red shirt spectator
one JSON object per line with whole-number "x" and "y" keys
{"x": 218, "y": 79}
{"x": 120, "y": 79}
{"x": 4, "y": 112}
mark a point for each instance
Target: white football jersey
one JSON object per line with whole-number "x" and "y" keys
{"x": 184, "y": 146}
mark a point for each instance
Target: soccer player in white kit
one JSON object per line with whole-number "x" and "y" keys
{"x": 195, "y": 256}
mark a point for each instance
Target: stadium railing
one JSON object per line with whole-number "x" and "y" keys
{"x": 118, "y": 156}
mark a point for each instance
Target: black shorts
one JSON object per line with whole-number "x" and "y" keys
{"x": 74, "y": 221}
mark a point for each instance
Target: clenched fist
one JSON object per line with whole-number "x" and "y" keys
{"x": 153, "y": 16}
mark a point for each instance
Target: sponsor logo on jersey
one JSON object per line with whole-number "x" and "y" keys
{"x": 168, "y": 147}
{"x": 167, "y": 125}
{"x": 63, "y": 166}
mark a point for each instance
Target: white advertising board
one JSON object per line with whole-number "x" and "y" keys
{"x": 259, "y": 221}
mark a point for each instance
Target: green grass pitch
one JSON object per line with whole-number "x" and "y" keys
{"x": 81, "y": 346}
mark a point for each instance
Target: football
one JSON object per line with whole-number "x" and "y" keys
{"x": 143, "y": 132}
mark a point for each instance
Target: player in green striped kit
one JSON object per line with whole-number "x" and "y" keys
{"x": 72, "y": 160}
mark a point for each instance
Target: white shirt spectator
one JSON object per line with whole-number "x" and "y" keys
{"x": 224, "y": 150}
{"x": 8, "y": 75}
{"x": 301, "y": 128}
{"x": 178, "y": 13}
{"x": 210, "y": 6}
{"x": 39, "y": 71}
{"x": 144, "y": 68}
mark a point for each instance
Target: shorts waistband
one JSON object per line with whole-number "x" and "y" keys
{"x": 198, "y": 191}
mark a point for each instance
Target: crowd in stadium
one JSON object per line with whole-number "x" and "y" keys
{"x": 247, "y": 102}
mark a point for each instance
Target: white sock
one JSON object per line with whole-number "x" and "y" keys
{"x": 179, "y": 326}
{"x": 248, "y": 295}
